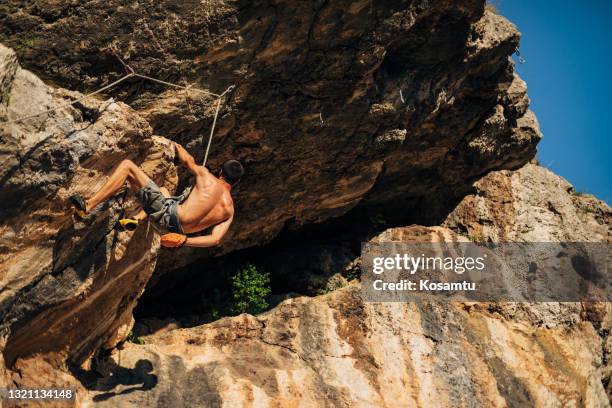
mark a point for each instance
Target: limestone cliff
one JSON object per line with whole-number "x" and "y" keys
{"x": 530, "y": 205}
{"x": 337, "y": 104}
{"x": 338, "y": 350}
{"x": 67, "y": 288}
{"x": 408, "y": 107}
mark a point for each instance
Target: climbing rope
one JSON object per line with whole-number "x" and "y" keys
{"x": 212, "y": 131}
{"x": 176, "y": 85}
{"x": 129, "y": 74}
{"x": 129, "y": 69}
{"x": 212, "y": 128}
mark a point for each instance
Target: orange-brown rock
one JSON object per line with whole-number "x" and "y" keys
{"x": 68, "y": 287}
{"x": 339, "y": 350}
{"x": 337, "y": 104}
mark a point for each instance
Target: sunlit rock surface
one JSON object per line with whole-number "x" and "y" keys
{"x": 337, "y": 350}
{"x": 67, "y": 287}
{"x": 395, "y": 105}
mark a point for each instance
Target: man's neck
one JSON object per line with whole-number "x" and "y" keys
{"x": 226, "y": 184}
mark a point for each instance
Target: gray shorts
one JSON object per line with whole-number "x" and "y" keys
{"x": 162, "y": 210}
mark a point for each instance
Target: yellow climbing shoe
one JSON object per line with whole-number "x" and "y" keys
{"x": 128, "y": 224}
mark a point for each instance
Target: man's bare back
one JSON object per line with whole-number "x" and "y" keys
{"x": 210, "y": 203}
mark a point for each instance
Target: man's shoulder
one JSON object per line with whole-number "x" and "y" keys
{"x": 228, "y": 201}
{"x": 203, "y": 172}
{"x": 203, "y": 169}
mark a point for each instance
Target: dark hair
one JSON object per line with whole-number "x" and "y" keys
{"x": 232, "y": 170}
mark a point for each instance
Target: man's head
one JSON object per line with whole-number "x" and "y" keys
{"x": 231, "y": 171}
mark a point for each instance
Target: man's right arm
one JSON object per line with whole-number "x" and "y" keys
{"x": 185, "y": 158}
{"x": 174, "y": 240}
{"x": 213, "y": 239}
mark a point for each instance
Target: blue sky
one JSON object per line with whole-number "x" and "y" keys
{"x": 567, "y": 47}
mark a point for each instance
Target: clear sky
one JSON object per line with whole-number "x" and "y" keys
{"x": 567, "y": 47}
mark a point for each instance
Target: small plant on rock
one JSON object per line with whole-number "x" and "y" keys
{"x": 477, "y": 239}
{"x": 132, "y": 338}
{"x": 580, "y": 193}
{"x": 352, "y": 271}
{"x": 250, "y": 288}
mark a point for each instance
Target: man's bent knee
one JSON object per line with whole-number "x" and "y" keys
{"x": 127, "y": 164}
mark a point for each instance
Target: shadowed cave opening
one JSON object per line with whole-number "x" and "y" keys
{"x": 308, "y": 261}
{"x": 299, "y": 263}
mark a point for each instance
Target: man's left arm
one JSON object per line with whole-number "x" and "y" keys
{"x": 186, "y": 158}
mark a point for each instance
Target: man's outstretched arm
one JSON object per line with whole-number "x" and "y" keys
{"x": 213, "y": 239}
{"x": 186, "y": 158}
{"x": 173, "y": 240}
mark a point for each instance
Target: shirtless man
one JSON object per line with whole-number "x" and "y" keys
{"x": 208, "y": 203}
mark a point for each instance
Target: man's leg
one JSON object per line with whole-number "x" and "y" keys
{"x": 126, "y": 170}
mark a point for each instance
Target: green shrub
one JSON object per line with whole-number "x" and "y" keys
{"x": 580, "y": 193}
{"x": 132, "y": 338}
{"x": 352, "y": 271}
{"x": 250, "y": 288}
{"x": 352, "y": 274}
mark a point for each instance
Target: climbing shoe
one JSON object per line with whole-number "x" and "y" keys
{"x": 79, "y": 204}
{"x": 127, "y": 224}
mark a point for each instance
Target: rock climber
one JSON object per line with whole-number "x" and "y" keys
{"x": 208, "y": 203}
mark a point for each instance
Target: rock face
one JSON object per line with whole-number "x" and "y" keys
{"x": 337, "y": 104}
{"x": 531, "y": 205}
{"x": 394, "y": 105}
{"x": 338, "y": 350}
{"x": 66, "y": 287}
